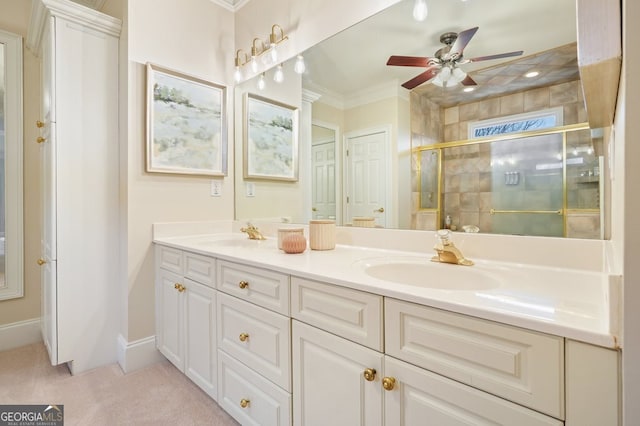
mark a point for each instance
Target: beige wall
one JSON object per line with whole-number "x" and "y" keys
{"x": 194, "y": 37}
{"x": 14, "y": 18}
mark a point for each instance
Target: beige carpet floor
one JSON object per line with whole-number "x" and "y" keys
{"x": 156, "y": 395}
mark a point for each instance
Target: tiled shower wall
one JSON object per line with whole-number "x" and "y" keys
{"x": 467, "y": 182}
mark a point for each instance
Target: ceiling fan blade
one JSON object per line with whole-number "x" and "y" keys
{"x": 498, "y": 56}
{"x": 468, "y": 81}
{"x": 421, "y": 78}
{"x": 408, "y": 61}
{"x": 464, "y": 37}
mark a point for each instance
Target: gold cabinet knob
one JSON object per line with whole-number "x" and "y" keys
{"x": 39, "y": 124}
{"x": 369, "y": 374}
{"x": 179, "y": 287}
{"x": 41, "y": 261}
{"x": 388, "y": 383}
{"x": 243, "y": 337}
{"x": 244, "y": 403}
{"x": 40, "y": 139}
{"x": 243, "y": 284}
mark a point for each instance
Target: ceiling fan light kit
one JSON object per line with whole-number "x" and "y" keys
{"x": 443, "y": 69}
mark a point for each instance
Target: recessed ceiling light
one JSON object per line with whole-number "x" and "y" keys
{"x": 532, "y": 74}
{"x": 468, "y": 89}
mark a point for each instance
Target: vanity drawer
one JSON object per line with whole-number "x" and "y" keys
{"x": 264, "y": 403}
{"x": 259, "y": 338}
{"x": 266, "y": 288}
{"x": 352, "y": 314}
{"x": 200, "y": 268}
{"x": 523, "y": 366}
{"x": 169, "y": 259}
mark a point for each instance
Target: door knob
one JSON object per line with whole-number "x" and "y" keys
{"x": 41, "y": 261}
{"x": 369, "y": 374}
{"x": 380, "y": 210}
{"x": 388, "y": 383}
{"x": 313, "y": 209}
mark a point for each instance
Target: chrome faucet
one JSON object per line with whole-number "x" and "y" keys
{"x": 253, "y": 232}
{"x": 446, "y": 251}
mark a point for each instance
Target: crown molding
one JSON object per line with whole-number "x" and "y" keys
{"x": 74, "y": 12}
{"x": 232, "y": 5}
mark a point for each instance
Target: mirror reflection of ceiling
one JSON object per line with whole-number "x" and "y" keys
{"x": 544, "y": 29}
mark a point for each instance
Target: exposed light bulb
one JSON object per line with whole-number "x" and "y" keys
{"x": 261, "y": 83}
{"x": 590, "y": 151}
{"x": 254, "y": 64}
{"x": 420, "y": 11}
{"x": 278, "y": 76}
{"x": 299, "y": 66}
{"x": 237, "y": 75}
{"x": 273, "y": 53}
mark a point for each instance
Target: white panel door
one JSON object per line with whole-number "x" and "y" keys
{"x": 324, "y": 181}
{"x": 169, "y": 317}
{"x": 200, "y": 343}
{"x": 366, "y": 181}
{"x": 329, "y": 387}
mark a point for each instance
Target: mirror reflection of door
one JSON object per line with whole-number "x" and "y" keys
{"x": 323, "y": 163}
{"x": 366, "y": 180}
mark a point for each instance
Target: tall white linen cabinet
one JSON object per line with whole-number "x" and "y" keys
{"x": 78, "y": 49}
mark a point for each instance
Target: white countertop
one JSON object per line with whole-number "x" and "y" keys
{"x": 571, "y": 303}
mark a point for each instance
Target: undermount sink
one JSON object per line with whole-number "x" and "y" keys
{"x": 420, "y": 271}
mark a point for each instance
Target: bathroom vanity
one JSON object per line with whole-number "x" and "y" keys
{"x": 325, "y": 337}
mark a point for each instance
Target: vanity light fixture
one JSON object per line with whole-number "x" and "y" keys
{"x": 420, "y": 10}
{"x": 278, "y": 76}
{"x": 255, "y": 52}
{"x": 274, "y": 40}
{"x": 299, "y": 66}
{"x": 240, "y": 62}
{"x": 261, "y": 83}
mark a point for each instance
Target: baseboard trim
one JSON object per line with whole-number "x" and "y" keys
{"x": 138, "y": 354}
{"x": 20, "y": 333}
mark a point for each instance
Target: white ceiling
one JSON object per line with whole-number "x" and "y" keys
{"x": 355, "y": 59}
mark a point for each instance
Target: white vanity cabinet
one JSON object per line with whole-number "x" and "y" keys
{"x": 78, "y": 49}
{"x": 186, "y": 314}
{"x": 254, "y": 344}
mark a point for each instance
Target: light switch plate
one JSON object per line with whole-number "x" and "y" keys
{"x": 216, "y": 188}
{"x": 251, "y": 189}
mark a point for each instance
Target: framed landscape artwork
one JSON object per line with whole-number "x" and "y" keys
{"x": 270, "y": 139}
{"x": 186, "y": 124}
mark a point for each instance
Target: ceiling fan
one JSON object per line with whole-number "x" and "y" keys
{"x": 443, "y": 69}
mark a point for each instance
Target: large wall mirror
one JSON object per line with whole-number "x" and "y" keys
{"x": 407, "y": 159}
{"x": 11, "y": 244}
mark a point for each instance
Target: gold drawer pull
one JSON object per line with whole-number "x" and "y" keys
{"x": 243, "y": 284}
{"x": 40, "y": 139}
{"x": 369, "y": 374}
{"x": 244, "y": 337}
{"x": 39, "y": 124}
{"x": 179, "y": 287}
{"x": 388, "y": 383}
{"x": 41, "y": 261}
{"x": 244, "y": 403}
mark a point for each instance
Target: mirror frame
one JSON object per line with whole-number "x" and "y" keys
{"x": 13, "y": 286}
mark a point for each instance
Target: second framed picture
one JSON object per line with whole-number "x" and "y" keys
{"x": 270, "y": 139}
